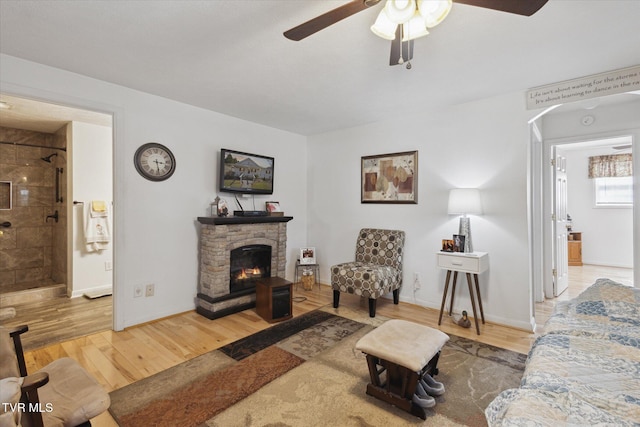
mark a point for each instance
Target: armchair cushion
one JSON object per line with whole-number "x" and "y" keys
{"x": 10, "y": 391}
{"x": 364, "y": 279}
{"x": 74, "y": 394}
{"x": 68, "y": 394}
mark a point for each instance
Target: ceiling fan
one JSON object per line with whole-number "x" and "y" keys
{"x": 398, "y": 19}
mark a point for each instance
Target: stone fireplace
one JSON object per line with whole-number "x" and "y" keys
{"x": 259, "y": 249}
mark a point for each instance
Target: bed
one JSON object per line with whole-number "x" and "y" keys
{"x": 584, "y": 369}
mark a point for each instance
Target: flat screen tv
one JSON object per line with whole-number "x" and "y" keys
{"x": 245, "y": 173}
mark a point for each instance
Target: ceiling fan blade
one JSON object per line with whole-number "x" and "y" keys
{"x": 520, "y": 7}
{"x": 407, "y": 49}
{"x": 323, "y": 21}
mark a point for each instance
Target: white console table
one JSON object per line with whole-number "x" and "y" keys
{"x": 470, "y": 263}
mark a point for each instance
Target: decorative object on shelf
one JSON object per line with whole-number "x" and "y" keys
{"x": 464, "y": 320}
{"x": 154, "y": 161}
{"x": 390, "y": 178}
{"x": 464, "y": 201}
{"x": 273, "y": 208}
{"x": 307, "y": 255}
{"x": 219, "y": 207}
{"x": 308, "y": 279}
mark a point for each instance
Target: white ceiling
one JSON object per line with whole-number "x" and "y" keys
{"x": 230, "y": 56}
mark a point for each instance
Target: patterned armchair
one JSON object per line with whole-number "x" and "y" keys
{"x": 376, "y": 271}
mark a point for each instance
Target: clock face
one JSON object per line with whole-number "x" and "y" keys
{"x": 154, "y": 161}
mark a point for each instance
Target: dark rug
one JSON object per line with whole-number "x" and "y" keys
{"x": 306, "y": 372}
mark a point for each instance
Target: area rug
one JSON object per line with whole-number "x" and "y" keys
{"x": 307, "y": 373}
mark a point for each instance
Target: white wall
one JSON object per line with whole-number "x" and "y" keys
{"x": 481, "y": 144}
{"x": 91, "y": 171}
{"x": 607, "y": 233}
{"x": 155, "y": 223}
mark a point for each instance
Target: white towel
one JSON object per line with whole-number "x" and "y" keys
{"x": 97, "y": 233}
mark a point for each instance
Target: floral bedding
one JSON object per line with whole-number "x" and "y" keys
{"x": 585, "y": 369}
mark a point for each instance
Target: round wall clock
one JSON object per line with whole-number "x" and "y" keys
{"x": 154, "y": 161}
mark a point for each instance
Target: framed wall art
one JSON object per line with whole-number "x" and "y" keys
{"x": 390, "y": 178}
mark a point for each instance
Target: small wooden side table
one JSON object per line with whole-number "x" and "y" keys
{"x": 470, "y": 263}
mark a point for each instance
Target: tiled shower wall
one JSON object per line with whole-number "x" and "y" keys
{"x": 27, "y": 248}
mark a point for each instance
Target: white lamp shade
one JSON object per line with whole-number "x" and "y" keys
{"x": 464, "y": 201}
{"x": 434, "y": 11}
{"x": 383, "y": 27}
{"x": 414, "y": 28}
{"x": 400, "y": 11}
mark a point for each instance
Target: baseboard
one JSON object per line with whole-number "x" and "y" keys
{"x": 522, "y": 325}
{"x": 605, "y": 264}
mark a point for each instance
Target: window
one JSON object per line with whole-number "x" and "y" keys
{"x": 613, "y": 191}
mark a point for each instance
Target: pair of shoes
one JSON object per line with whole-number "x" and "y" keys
{"x": 431, "y": 386}
{"x": 422, "y": 398}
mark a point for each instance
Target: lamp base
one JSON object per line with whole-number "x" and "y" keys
{"x": 465, "y": 230}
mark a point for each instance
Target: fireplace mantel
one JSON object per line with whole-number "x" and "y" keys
{"x": 242, "y": 219}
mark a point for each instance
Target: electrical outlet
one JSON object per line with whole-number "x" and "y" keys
{"x": 416, "y": 280}
{"x": 108, "y": 266}
{"x": 137, "y": 291}
{"x": 149, "y": 290}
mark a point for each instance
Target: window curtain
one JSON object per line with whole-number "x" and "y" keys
{"x": 610, "y": 166}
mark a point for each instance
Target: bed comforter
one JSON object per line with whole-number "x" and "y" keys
{"x": 585, "y": 369}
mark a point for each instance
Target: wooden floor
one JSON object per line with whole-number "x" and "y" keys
{"x": 120, "y": 358}
{"x": 581, "y": 278}
{"x": 60, "y": 319}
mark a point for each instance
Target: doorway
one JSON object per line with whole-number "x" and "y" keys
{"x": 616, "y": 116}
{"x": 50, "y": 184}
{"x": 598, "y": 221}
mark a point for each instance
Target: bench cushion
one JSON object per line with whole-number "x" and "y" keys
{"x": 404, "y": 343}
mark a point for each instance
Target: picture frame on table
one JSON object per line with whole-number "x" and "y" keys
{"x": 389, "y": 178}
{"x": 447, "y": 245}
{"x": 458, "y": 242}
{"x": 307, "y": 256}
{"x": 273, "y": 209}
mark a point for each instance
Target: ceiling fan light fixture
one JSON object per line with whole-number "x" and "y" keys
{"x": 384, "y": 27}
{"x": 414, "y": 28}
{"x": 434, "y": 11}
{"x": 400, "y": 11}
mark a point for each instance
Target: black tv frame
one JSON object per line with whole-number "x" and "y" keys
{"x": 261, "y": 171}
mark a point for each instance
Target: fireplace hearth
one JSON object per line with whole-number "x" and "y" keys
{"x": 261, "y": 243}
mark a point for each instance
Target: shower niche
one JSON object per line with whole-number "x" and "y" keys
{"x": 5, "y": 196}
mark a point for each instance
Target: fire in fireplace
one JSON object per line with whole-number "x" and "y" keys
{"x": 248, "y": 263}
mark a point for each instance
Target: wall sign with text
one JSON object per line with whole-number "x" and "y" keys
{"x": 610, "y": 83}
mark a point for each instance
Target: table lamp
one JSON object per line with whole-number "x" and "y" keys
{"x": 463, "y": 201}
